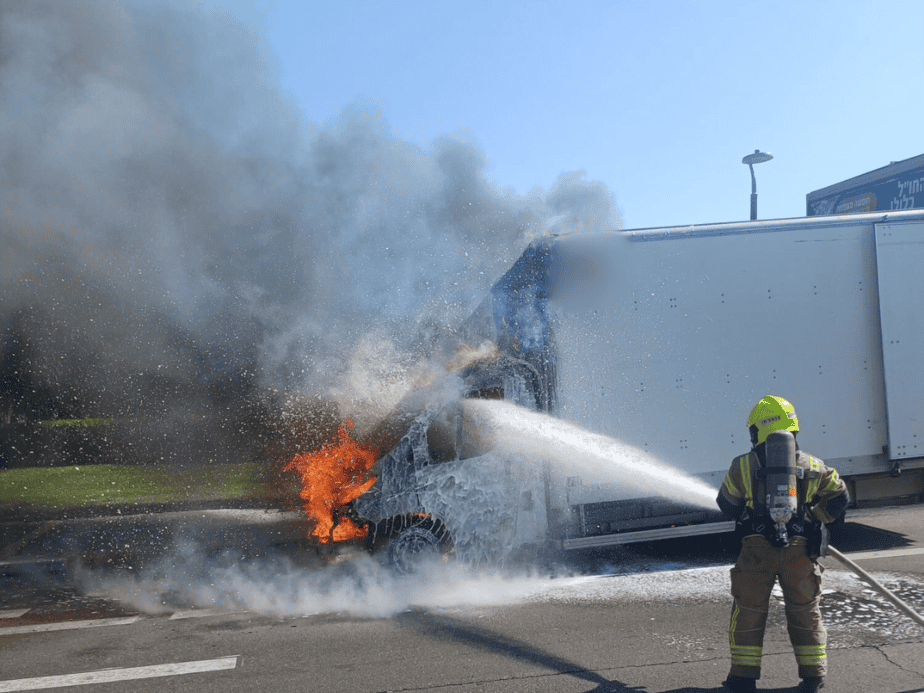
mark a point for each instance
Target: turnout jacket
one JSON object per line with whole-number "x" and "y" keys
{"x": 821, "y": 495}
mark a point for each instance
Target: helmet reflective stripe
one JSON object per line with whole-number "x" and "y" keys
{"x": 772, "y": 414}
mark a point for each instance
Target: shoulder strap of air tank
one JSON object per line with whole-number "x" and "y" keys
{"x": 799, "y": 472}
{"x": 796, "y": 471}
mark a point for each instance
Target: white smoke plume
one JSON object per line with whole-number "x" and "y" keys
{"x": 186, "y": 578}
{"x": 173, "y": 230}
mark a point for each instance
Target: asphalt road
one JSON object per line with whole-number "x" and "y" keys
{"x": 217, "y": 615}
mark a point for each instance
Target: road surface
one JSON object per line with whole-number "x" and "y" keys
{"x": 649, "y": 618}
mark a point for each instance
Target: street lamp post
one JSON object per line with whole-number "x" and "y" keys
{"x": 758, "y": 157}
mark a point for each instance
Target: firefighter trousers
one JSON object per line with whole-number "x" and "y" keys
{"x": 758, "y": 567}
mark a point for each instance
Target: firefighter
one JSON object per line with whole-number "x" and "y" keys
{"x": 784, "y": 546}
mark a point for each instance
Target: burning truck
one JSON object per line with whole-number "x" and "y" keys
{"x": 441, "y": 490}
{"x": 663, "y": 338}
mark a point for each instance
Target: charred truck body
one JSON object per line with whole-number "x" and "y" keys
{"x": 661, "y": 338}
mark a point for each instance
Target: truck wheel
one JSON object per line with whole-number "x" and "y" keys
{"x": 414, "y": 547}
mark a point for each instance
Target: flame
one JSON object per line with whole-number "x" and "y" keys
{"x": 332, "y": 477}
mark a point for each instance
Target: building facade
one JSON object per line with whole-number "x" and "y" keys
{"x": 900, "y": 185}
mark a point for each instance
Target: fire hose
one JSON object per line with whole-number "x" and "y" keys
{"x": 875, "y": 584}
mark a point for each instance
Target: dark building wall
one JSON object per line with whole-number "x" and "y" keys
{"x": 898, "y": 186}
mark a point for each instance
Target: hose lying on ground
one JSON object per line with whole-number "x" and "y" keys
{"x": 879, "y": 587}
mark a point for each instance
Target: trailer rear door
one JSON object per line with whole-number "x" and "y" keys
{"x": 900, "y": 264}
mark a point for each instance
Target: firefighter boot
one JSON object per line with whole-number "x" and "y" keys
{"x": 812, "y": 684}
{"x": 740, "y": 684}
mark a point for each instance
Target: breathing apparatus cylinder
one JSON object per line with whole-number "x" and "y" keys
{"x": 782, "y": 472}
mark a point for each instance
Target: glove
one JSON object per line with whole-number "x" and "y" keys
{"x": 816, "y": 543}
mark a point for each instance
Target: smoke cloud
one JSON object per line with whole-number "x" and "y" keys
{"x": 278, "y": 586}
{"x": 174, "y": 235}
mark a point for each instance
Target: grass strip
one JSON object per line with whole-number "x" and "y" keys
{"x": 79, "y": 423}
{"x": 106, "y": 484}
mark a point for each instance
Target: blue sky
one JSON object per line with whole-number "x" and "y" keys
{"x": 658, "y": 100}
{"x": 162, "y": 170}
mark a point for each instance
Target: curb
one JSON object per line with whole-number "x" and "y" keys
{"x": 24, "y": 514}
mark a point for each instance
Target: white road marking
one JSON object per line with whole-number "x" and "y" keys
{"x": 13, "y": 613}
{"x": 199, "y": 613}
{"x": 69, "y": 625}
{"x": 886, "y": 553}
{"x": 111, "y": 675}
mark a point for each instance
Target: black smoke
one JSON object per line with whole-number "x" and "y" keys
{"x": 178, "y": 244}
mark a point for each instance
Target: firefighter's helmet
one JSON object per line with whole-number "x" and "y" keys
{"x": 771, "y": 414}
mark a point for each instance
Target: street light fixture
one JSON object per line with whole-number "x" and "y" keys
{"x": 758, "y": 157}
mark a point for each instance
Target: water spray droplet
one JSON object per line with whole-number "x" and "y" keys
{"x": 597, "y": 458}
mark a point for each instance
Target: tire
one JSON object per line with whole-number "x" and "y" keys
{"x": 415, "y": 547}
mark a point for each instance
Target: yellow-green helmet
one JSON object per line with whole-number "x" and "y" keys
{"x": 771, "y": 414}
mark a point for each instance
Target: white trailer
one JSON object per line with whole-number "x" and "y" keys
{"x": 665, "y": 338}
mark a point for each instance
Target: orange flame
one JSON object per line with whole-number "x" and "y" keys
{"x": 332, "y": 477}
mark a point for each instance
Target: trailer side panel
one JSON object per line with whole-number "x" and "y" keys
{"x": 900, "y": 259}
